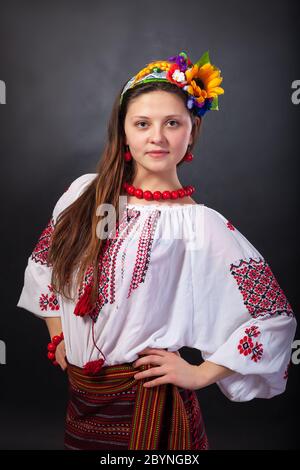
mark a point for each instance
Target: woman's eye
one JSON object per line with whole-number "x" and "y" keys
{"x": 143, "y": 122}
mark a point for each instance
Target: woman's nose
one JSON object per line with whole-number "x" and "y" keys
{"x": 157, "y": 135}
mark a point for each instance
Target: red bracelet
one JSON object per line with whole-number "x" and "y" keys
{"x": 52, "y": 347}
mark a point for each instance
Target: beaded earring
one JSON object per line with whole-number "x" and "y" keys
{"x": 188, "y": 156}
{"x": 127, "y": 155}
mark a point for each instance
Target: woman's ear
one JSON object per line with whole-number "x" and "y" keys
{"x": 198, "y": 121}
{"x": 196, "y": 127}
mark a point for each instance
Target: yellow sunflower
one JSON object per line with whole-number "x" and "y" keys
{"x": 203, "y": 82}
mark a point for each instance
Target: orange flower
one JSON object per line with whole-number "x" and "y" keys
{"x": 203, "y": 82}
{"x": 195, "y": 90}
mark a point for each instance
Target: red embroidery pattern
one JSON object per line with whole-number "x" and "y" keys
{"x": 125, "y": 228}
{"x": 230, "y": 226}
{"x": 246, "y": 345}
{"x": 108, "y": 260}
{"x": 123, "y": 264}
{"x": 40, "y": 251}
{"x": 49, "y": 300}
{"x": 144, "y": 251}
{"x": 260, "y": 290}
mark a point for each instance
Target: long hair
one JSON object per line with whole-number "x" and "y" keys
{"x": 75, "y": 245}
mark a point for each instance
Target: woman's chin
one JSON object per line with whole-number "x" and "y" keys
{"x": 156, "y": 165}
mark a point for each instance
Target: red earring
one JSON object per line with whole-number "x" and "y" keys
{"x": 188, "y": 157}
{"x": 127, "y": 155}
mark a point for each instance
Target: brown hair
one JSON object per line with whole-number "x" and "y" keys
{"x": 79, "y": 247}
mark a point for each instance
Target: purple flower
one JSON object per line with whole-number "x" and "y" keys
{"x": 190, "y": 103}
{"x": 204, "y": 106}
{"x": 180, "y": 61}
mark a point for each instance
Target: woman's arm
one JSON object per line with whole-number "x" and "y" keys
{"x": 209, "y": 373}
{"x": 55, "y": 328}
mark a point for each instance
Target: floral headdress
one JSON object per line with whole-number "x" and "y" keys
{"x": 200, "y": 80}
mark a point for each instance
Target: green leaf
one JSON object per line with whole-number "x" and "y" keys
{"x": 204, "y": 59}
{"x": 214, "y": 104}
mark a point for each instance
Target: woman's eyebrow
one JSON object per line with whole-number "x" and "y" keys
{"x": 147, "y": 117}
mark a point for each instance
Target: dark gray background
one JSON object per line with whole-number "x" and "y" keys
{"x": 63, "y": 63}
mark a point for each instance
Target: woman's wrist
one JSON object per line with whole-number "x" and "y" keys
{"x": 208, "y": 373}
{"x": 54, "y": 326}
{"x": 51, "y": 347}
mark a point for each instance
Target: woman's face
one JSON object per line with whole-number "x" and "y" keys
{"x": 157, "y": 120}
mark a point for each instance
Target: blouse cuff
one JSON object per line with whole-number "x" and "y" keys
{"x": 259, "y": 353}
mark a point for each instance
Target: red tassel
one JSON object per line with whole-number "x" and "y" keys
{"x": 83, "y": 306}
{"x": 93, "y": 367}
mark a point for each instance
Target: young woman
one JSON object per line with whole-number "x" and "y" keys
{"x": 130, "y": 269}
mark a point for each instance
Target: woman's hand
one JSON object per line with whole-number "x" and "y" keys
{"x": 168, "y": 367}
{"x": 60, "y": 355}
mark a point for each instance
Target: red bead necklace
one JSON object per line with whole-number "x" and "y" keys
{"x": 157, "y": 195}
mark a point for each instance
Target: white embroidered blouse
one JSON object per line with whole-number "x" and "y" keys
{"x": 174, "y": 276}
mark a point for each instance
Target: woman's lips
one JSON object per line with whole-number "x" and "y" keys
{"x": 157, "y": 154}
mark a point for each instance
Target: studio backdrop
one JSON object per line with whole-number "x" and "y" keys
{"x": 61, "y": 67}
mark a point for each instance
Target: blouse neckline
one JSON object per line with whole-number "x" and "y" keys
{"x": 161, "y": 206}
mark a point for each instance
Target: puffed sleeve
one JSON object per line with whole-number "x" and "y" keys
{"x": 37, "y": 295}
{"x": 242, "y": 318}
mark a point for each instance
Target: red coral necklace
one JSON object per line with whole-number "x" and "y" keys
{"x": 158, "y": 195}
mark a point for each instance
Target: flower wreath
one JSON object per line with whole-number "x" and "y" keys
{"x": 200, "y": 80}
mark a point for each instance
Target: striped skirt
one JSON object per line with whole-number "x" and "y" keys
{"x": 113, "y": 411}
